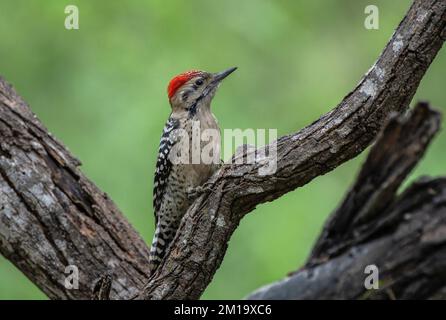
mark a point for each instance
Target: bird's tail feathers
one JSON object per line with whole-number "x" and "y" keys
{"x": 160, "y": 243}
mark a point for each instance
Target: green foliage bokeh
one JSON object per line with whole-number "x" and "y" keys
{"x": 102, "y": 91}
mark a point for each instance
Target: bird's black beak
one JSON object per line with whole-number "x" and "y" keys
{"x": 219, "y": 76}
{"x": 216, "y": 79}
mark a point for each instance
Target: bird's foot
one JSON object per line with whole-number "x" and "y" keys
{"x": 194, "y": 192}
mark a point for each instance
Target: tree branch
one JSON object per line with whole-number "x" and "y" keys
{"x": 411, "y": 261}
{"x": 404, "y": 236}
{"x": 52, "y": 216}
{"x": 338, "y": 136}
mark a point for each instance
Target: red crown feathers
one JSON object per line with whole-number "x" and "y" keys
{"x": 179, "y": 80}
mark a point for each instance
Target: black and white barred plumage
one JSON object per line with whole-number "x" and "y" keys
{"x": 163, "y": 163}
{"x": 190, "y": 96}
{"x": 162, "y": 172}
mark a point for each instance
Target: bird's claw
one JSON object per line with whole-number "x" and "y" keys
{"x": 194, "y": 193}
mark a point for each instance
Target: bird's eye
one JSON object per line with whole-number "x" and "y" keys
{"x": 199, "y": 82}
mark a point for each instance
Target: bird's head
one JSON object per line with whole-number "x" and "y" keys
{"x": 191, "y": 89}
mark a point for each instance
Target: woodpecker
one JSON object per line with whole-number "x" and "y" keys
{"x": 190, "y": 95}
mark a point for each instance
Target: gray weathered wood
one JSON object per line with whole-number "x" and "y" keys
{"x": 52, "y": 216}
{"x": 402, "y": 235}
{"x": 336, "y": 137}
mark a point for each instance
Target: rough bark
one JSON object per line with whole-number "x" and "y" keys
{"x": 403, "y": 235}
{"x": 336, "y": 137}
{"x": 52, "y": 216}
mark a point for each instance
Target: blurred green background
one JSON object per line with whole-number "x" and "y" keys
{"x": 102, "y": 91}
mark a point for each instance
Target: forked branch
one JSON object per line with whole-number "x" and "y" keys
{"x": 52, "y": 216}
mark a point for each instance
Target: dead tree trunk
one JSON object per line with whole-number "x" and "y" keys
{"x": 404, "y": 236}
{"x": 52, "y": 216}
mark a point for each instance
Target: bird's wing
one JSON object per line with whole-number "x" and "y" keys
{"x": 163, "y": 164}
